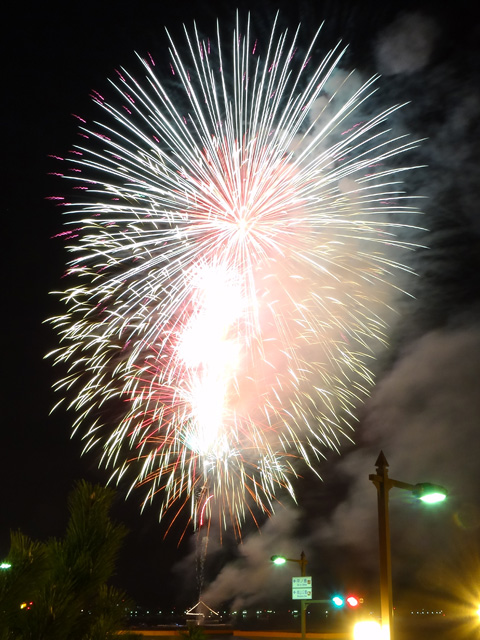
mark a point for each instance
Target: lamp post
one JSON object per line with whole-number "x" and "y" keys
{"x": 303, "y": 609}
{"x": 424, "y": 491}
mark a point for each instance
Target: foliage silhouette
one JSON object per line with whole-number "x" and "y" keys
{"x": 63, "y": 583}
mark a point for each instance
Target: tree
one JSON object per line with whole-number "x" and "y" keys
{"x": 63, "y": 583}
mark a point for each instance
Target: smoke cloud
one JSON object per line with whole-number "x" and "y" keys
{"x": 424, "y": 414}
{"x": 406, "y": 46}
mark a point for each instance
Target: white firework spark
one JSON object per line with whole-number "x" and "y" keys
{"x": 231, "y": 256}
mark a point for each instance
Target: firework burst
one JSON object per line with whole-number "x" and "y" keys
{"x": 231, "y": 250}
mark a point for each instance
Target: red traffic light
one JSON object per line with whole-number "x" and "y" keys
{"x": 353, "y": 601}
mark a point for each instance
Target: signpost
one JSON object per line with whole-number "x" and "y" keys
{"x": 302, "y": 588}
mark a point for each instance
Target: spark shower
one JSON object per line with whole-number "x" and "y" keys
{"x": 236, "y": 239}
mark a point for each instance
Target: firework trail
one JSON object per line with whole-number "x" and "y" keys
{"x": 230, "y": 245}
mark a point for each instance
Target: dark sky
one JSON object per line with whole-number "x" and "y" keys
{"x": 424, "y": 410}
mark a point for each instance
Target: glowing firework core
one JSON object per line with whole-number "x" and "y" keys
{"x": 210, "y": 359}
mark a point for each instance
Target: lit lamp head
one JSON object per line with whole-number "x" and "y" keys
{"x": 278, "y": 559}
{"x": 429, "y": 493}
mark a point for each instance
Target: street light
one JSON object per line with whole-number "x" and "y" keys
{"x": 426, "y": 492}
{"x": 303, "y": 563}
{"x": 429, "y": 493}
{"x": 282, "y": 560}
{"x": 367, "y": 630}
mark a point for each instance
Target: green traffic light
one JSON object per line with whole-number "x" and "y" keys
{"x": 278, "y": 559}
{"x": 5, "y": 565}
{"x": 338, "y": 601}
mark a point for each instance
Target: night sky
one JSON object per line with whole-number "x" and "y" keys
{"x": 425, "y": 407}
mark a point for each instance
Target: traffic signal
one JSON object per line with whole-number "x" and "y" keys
{"x": 353, "y": 601}
{"x": 350, "y": 600}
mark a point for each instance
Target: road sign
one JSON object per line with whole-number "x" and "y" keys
{"x": 302, "y": 588}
